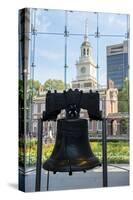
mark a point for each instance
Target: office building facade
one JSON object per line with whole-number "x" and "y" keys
{"x": 117, "y": 63}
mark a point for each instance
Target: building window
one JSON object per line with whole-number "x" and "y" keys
{"x": 87, "y": 51}
{"x": 84, "y": 51}
{"x": 39, "y": 108}
{"x": 35, "y": 129}
{"x": 99, "y": 125}
{"x": 76, "y": 85}
{"x": 42, "y": 107}
{"x": 87, "y": 84}
{"x": 34, "y": 108}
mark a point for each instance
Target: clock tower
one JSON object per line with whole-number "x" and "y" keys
{"x": 85, "y": 67}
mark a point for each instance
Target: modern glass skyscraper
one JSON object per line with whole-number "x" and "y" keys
{"x": 117, "y": 63}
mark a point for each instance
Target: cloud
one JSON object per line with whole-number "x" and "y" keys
{"x": 42, "y": 22}
{"x": 117, "y": 20}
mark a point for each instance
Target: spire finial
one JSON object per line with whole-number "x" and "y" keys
{"x": 86, "y": 30}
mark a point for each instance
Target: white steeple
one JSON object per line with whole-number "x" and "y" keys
{"x": 85, "y": 66}
{"x": 86, "y": 31}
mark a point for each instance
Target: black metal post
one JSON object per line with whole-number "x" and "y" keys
{"x": 104, "y": 153}
{"x": 48, "y": 181}
{"x": 39, "y": 155}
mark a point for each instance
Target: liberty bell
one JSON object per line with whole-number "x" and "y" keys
{"x": 72, "y": 151}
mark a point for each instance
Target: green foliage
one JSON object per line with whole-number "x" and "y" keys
{"x": 52, "y": 84}
{"x": 123, "y": 97}
{"x": 124, "y": 126}
{"x": 36, "y": 85}
{"x": 117, "y": 151}
{"x": 33, "y": 87}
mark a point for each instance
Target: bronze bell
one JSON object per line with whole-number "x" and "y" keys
{"x": 72, "y": 151}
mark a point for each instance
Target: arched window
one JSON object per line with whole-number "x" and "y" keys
{"x": 84, "y": 51}
{"x": 87, "y": 51}
{"x": 113, "y": 127}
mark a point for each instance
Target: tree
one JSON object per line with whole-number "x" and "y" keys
{"x": 53, "y": 84}
{"x": 33, "y": 87}
{"x": 123, "y": 97}
{"x": 36, "y": 86}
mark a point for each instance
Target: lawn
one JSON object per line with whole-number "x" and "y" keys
{"x": 117, "y": 151}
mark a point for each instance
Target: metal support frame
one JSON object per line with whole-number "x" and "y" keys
{"x": 65, "y": 52}
{"x": 104, "y": 153}
{"x": 39, "y": 156}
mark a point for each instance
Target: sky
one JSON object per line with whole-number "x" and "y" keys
{"x": 49, "y": 48}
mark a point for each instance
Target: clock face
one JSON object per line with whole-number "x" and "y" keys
{"x": 83, "y": 70}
